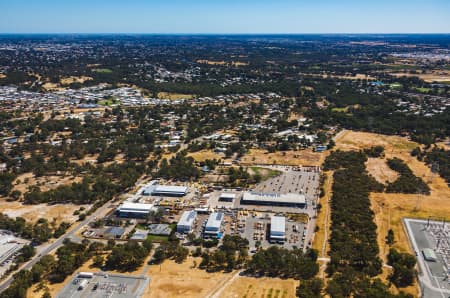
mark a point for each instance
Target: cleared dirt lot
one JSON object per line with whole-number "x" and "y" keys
{"x": 291, "y": 158}
{"x": 434, "y": 76}
{"x": 182, "y": 280}
{"x": 260, "y": 287}
{"x": 24, "y": 181}
{"x": 204, "y": 155}
{"x": 379, "y": 169}
{"x": 31, "y": 213}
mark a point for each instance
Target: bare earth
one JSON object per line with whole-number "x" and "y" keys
{"x": 293, "y": 158}
{"x": 379, "y": 169}
{"x": 31, "y": 213}
{"x": 260, "y": 287}
{"x": 182, "y": 280}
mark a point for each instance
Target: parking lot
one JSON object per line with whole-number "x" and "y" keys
{"x": 433, "y": 276}
{"x": 256, "y": 228}
{"x": 9, "y": 249}
{"x": 105, "y": 285}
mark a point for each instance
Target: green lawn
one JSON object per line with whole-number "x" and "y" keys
{"x": 158, "y": 238}
{"x": 102, "y": 70}
{"x": 265, "y": 173}
{"x": 395, "y": 86}
{"x": 423, "y": 90}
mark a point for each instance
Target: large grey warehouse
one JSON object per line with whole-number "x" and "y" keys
{"x": 286, "y": 200}
{"x": 165, "y": 190}
{"x": 212, "y": 228}
{"x": 278, "y": 229}
{"x": 186, "y": 222}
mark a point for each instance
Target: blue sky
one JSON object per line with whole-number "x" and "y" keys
{"x": 224, "y": 16}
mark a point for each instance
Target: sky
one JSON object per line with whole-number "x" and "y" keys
{"x": 224, "y": 16}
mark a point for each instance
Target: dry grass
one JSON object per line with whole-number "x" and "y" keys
{"x": 379, "y": 169}
{"x": 434, "y": 76}
{"x": 204, "y": 155}
{"x": 2, "y": 76}
{"x": 323, "y": 220}
{"x": 260, "y": 287}
{"x": 292, "y": 158}
{"x": 73, "y": 79}
{"x": 31, "y": 213}
{"x": 390, "y": 209}
{"x": 233, "y": 63}
{"x": 182, "y": 280}
{"x": 358, "y": 76}
{"x": 24, "y": 181}
{"x": 174, "y": 96}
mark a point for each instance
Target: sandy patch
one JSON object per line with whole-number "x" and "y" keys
{"x": 294, "y": 158}
{"x": 182, "y": 280}
{"x": 31, "y": 213}
{"x": 379, "y": 169}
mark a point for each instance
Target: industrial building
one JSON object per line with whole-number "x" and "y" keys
{"x": 278, "y": 229}
{"x": 186, "y": 222}
{"x": 134, "y": 210}
{"x": 271, "y": 199}
{"x": 165, "y": 190}
{"x": 227, "y": 197}
{"x": 212, "y": 227}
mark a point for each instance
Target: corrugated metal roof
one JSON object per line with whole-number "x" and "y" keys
{"x": 187, "y": 218}
{"x": 276, "y": 198}
{"x": 134, "y": 207}
{"x": 278, "y": 224}
{"x": 214, "y": 221}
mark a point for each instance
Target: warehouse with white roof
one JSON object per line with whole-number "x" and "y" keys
{"x": 271, "y": 199}
{"x": 134, "y": 210}
{"x": 186, "y": 222}
{"x": 213, "y": 225}
{"x": 227, "y": 197}
{"x": 278, "y": 229}
{"x": 165, "y": 190}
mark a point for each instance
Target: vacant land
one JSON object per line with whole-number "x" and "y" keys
{"x": 73, "y": 79}
{"x": 292, "y": 158}
{"x": 379, "y": 169}
{"x": 31, "y": 213}
{"x": 264, "y": 173}
{"x": 182, "y": 280}
{"x": 203, "y": 155}
{"x": 434, "y": 76}
{"x": 260, "y": 287}
{"x": 102, "y": 70}
{"x": 233, "y": 63}
{"x": 174, "y": 96}
{"x": 390, "y": 209}
{"x": 26, "y": 180}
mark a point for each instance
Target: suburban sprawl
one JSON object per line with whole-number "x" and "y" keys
{"x": 224, "y": 166}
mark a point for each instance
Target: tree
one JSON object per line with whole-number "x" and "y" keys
{"x": 390, "y": 237}
{"x": 98, "y": 261}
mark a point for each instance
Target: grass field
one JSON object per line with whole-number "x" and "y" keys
{"x": 293, "y": 158}
{"x": 264, "y": 172}
{"x": 249, "y": 287}
{"x": 174, "y": 96}
{"x": 379, "y": 169}
{"x": 183, "y": 280}
{"x": 102, "y": 70}
{"x": 390, "y": 209}
{"x": 203, "y": 155}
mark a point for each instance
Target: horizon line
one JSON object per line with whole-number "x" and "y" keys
{"x": 222, "y": 33}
